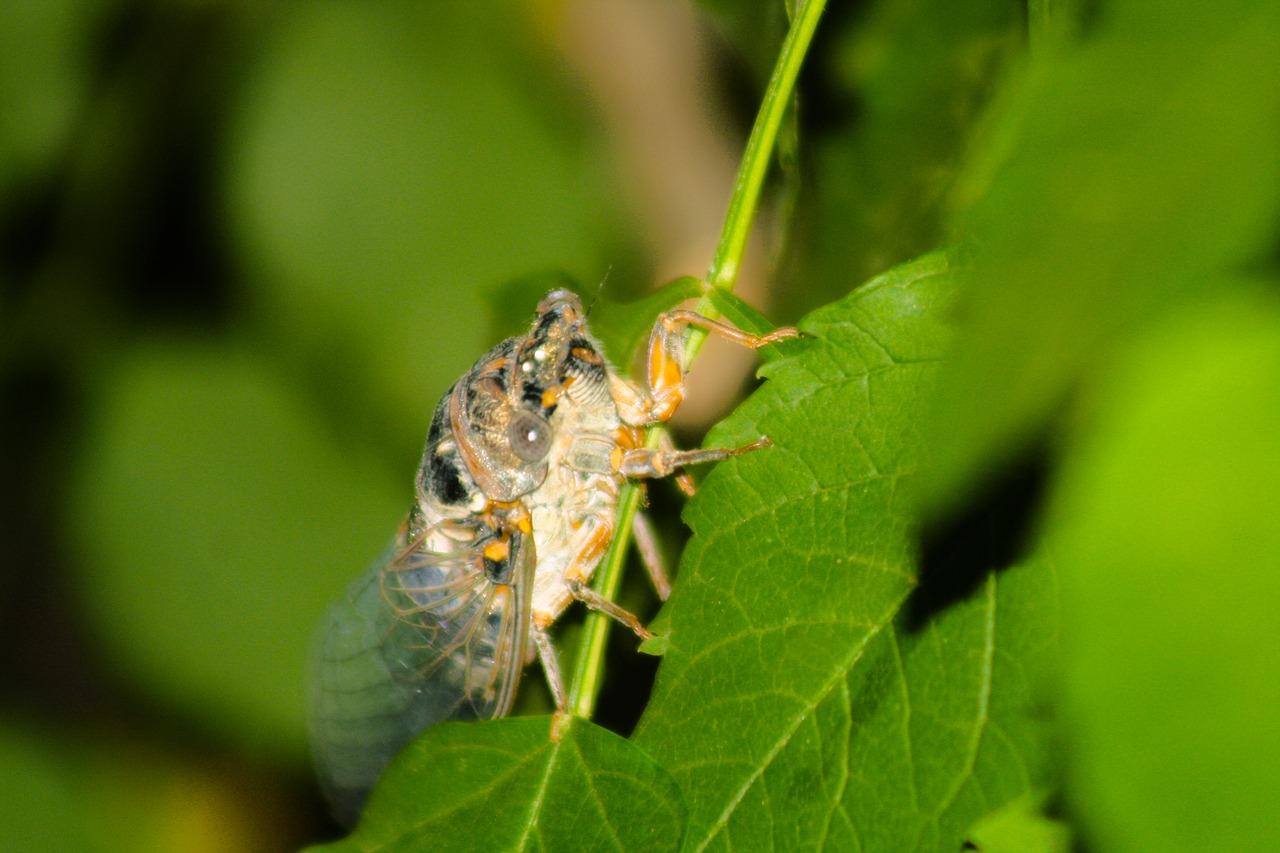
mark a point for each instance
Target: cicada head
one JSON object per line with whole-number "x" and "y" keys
{"x": 543, "y": 355}
{"x": 502, "y": 414}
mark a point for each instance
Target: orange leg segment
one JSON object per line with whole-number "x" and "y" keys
{"x": 657, "y": 403}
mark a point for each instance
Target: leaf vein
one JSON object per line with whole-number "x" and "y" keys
{"x": 984, "y": 699}
{"x": 785, "y": 736}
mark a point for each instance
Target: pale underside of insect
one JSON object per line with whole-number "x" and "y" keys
{"x": 515, "y": 505}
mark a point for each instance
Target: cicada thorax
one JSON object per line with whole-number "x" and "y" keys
{"x": 534, "y": 422}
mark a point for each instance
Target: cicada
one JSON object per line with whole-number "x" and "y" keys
{"x": 515, "y": 505}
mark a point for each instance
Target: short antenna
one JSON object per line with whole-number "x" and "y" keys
{"x": 599, "y": 289}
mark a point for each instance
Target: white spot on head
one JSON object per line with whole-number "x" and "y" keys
{"x": 526, "y": 367}
{"x": 539, "y": 354}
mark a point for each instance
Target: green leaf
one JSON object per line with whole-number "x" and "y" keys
{"x": 945, "y": 723}
{"x": 43, "y": 791}
{"x": 213, "y": 521}
{"x": 1021, "y": 827}
{"x": 1144, "y": 164}
{"x": 1169, "y": 546}
{"x": 781, "y": 630}
{"x": 506, "y": 786}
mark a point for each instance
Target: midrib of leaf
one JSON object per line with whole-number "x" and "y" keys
{"x": 613, "y": 833}
{"x": 908, "y": 746}
{"x": 535, "y": 807}
{"x": 837, "y": 806}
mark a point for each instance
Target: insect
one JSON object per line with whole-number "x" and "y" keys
{"x": 515, "y": 502}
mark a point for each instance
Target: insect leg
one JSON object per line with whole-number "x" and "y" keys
{"x": 675, "y": 320}
{"x": 657, "y": 402}
{"x": 550, "y": 665}
{"x": 598, "y": 602}
{"x": 662, "y": 462}
{"x": 647, "y": 545}
{"x": 555, "y": 680}
{"x": 681, "y": 478}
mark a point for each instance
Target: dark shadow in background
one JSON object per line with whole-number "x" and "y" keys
{"x": 991, "y": 531}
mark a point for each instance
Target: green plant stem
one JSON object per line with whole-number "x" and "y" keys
{"x": 727, "y": 260}
{"x": 723, "y": 274}
{"x": 589, "y": 668}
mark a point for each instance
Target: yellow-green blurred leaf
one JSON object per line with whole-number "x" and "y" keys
{"x": 214, "y": 519}
{"x": 391, "y": 166}
{"x": 1168, "y": 532}
{"x": 1144, "y": 165}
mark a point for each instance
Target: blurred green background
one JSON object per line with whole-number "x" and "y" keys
{"x": 243, "y": 249}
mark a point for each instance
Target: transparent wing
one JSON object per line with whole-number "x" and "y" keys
{"x": 434, "y": 631}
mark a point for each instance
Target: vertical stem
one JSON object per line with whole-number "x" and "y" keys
{"x": 588, "y": 670}
{"x": 727, "y": 260}
{"x": 722, "y": 273}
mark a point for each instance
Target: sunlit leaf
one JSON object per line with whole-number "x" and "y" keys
{"x": 1021, "y": 827}
{"x": 506, "y": 786}
{"x": 781, "y": 632}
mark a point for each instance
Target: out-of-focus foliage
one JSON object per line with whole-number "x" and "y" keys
{"x": 1120, "y": 326}
{"x": 244, "y": 248}
{"x": 1171, "y": 581}
{"x": 400, "y": 161}
{"x": 1128, "y": 147}
{"x": 888, "y": 107}
{"x": 42, "y": 85}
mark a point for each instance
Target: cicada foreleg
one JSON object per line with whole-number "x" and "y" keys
{"x": 665, "y": 365}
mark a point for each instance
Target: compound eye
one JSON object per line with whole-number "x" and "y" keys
{"x": 530, "y": 436}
